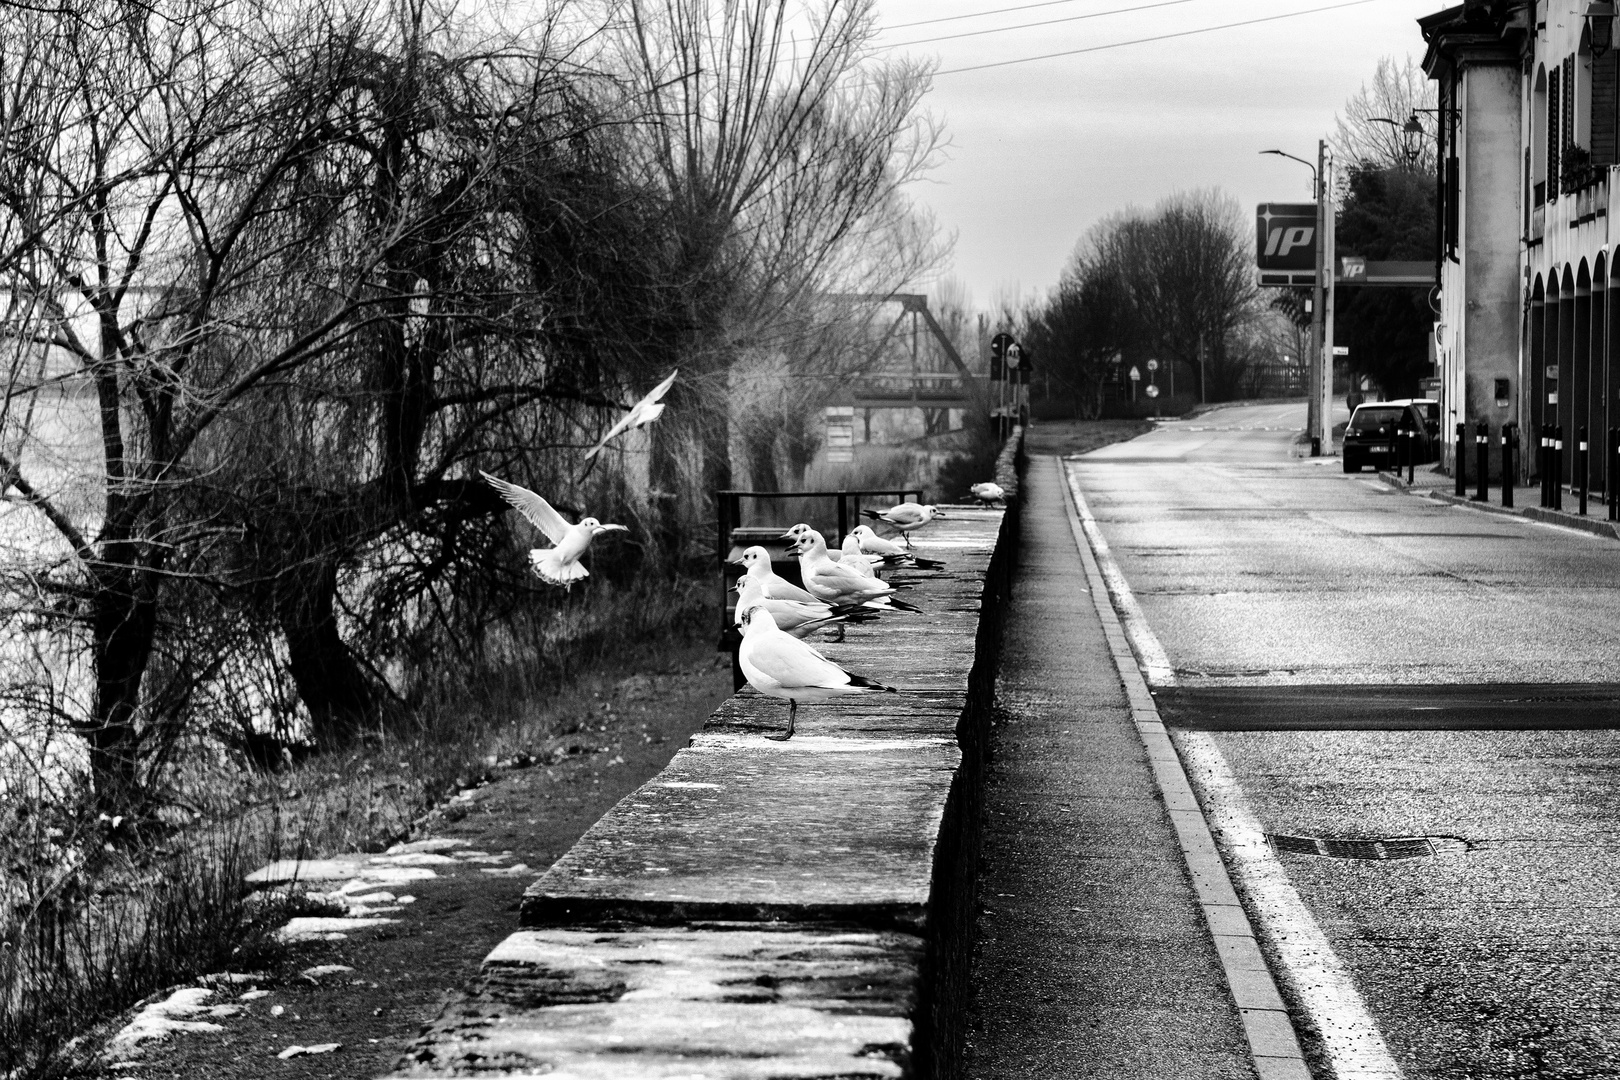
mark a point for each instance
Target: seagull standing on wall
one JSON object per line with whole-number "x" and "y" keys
{"x": 890, "y": 552}
{"x": 835, "y": 583}
{"x": 781, "y": 666}
{"x": 772, "y": 584}
{"x": 641, "y": 414}
{"x": 988, "y": 492}
{"x": 559, "y": 564}
{"x": 906, "y": 516}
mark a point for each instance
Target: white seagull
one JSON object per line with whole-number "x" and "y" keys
{"x": 641, "y": 414}
{"x": 988, "y": 492}
{"x": 792, "y": 616}
{"x": 775, "y": 587}
{"x": 852, "y": 556}
{"x": 836, "y": 583}
{"x": 906, "y": 516}
{"x": 781, "y": 666}
{"x": 558, "y": 565}
{"x": 889, "y": 551}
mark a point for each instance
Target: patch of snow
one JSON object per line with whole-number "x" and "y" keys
{"x": 285, "y": 870}
{"x": 482, "y": 858}
{"x": 414, "y": 858}
{"x": 299, "y": 1051}
{"x": 439, "y": 843}
{"x": 398, "y": 875}
{"x": 407, "y": 899}
{"x": 315, "y": 973}
{"x": 254, "y": 995}
{"x": 368, "y": 898}
{"x": 161, "y": 1019}
{"x": 229, "y": 978}
{"x": 517, "y": 870}
{"x": 469, "y": 854}
{"x": 277, "y": 1010}
{"x": 311, "y": 928}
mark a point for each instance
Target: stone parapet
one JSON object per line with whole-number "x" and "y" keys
{"x": 768, "y": 909}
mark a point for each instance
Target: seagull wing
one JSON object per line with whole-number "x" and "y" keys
{"x": 794, "y": 664}
{"x": 641, "y": 413}
{"x": 657, "y": 393}
{"x": 532, "y": 506}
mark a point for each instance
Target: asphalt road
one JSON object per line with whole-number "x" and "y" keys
{"x": 1367, "y": 666}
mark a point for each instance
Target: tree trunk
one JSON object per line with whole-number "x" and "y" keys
{"x": 123, "y": 626}
{"x": 331, "y": 685}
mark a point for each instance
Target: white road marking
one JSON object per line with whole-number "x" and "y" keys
{"x": 1309, "y": 964}
{"x": 1149, "y": 653}
{"x": 1375, "y": 485}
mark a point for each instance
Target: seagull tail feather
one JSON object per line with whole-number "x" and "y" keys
{"x": 873, "y": 514}
{"x": 867, "y": 684}
{"x": 896, "y": 602}
{"x": 548, "y": 568}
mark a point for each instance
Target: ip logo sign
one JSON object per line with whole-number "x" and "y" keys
{"x": 1287, "y": 236}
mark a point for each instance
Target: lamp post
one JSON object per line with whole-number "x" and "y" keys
{"x": 1318, "y": 411}
{"x": 1412, "y": 127}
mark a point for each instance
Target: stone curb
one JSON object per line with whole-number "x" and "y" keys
{"x": 1273, "y": 1045}
{"x": 1596, "y": 526}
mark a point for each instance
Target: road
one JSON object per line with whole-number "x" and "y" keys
{"x": 1341, "y": 661}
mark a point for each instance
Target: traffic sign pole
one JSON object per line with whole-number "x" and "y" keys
{"x": 1324, "y": 390}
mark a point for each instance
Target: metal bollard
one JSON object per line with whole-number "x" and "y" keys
{"x": 1541, "y": 465}
{"x": 1611, "y": 491}
{"x": 1583, "y": 472}
{"x": 1482, "y": 447}
{"x": 1557, "y": 467}
{"x": 1411, "y": 454}
{"x": 1510, "y": 436}
{"x": 1459, "y": 459}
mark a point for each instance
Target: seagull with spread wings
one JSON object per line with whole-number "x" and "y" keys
{"x": 779, "y": 665}
{"x": 559, "y": 564}
{"x": 640, "y": 414}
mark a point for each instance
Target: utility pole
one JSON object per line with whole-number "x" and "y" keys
{"x": 1330, "y": 260}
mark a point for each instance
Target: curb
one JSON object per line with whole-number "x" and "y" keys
{"x": 1273, "y": 1046}
{"x": 1596, "y": 526}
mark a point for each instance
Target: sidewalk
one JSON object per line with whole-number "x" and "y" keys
{"x": 1093, "y": 957}
{"x": 1526, "y": 500}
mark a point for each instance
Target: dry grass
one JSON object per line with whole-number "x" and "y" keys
{"x": 92, "y": 918}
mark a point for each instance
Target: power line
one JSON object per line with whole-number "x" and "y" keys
{"x": 1156, "y": 37}
{"x": 1021, "y": 7}
{"x": 1028, "y": 25}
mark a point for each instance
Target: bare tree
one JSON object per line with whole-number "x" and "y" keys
{"x": 1371, "y": 130}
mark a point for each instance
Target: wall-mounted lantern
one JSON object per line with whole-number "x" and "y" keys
{"x": 1600, "y": 26}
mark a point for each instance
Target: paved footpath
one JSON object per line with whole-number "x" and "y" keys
{"x": 1093, "y": 957}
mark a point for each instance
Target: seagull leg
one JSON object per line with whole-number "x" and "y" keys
{"x": 793, "y": 710}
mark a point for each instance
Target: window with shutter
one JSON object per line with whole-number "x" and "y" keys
{"x": 1568, "y": 134}
{"x": 1605, "y": 87}
{"x": 1555, "y": 130}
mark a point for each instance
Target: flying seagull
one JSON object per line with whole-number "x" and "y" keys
{"x": 558, "y": 565}
{"x": 836, "y": 583}
{"x": 779, "y": 665}
{"x": 641, "y": 414}
{"x": 905, "y": 516}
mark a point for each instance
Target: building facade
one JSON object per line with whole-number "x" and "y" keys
{"x": 1527, "y": 324}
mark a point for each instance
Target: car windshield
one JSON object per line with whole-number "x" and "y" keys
{"x": 1372, "y": 419}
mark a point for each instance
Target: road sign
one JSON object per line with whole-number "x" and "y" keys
{"x": 1286, "y": 236}
{"x": 1136, "y": 374}
{"x": 1152, "y": 391}
{"x": 1341, "y": 350}
{"x": 1153, "y": 365}
{"x": 1004, "y": 353}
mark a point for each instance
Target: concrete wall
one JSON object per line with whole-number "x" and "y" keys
{"x": 764, "y": 908}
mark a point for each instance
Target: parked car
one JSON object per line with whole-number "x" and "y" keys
{"x": 1370, "y": 437}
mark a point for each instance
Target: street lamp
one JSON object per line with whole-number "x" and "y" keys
{"x": 1315, "y": 189}
{"x": 1412, "y": 127}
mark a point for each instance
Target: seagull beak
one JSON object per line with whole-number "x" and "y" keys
{"x": 612, "y": 528}
{"x": 789, "y": 536}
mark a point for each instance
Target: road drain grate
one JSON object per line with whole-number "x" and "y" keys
{"x": 1380, "y": 850}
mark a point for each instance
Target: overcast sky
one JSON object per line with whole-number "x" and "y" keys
{"x": 1041, "y": 150}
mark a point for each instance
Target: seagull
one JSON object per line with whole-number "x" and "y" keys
{"x": 793, "y": 616}
{"x": 781, "y": 666}
{"x": 776, "y": 587}
{"x": 853, "y": 557}
{"x": 641, "y": 414}
{"x": 558, "y": 565}
{"x": 889, "y": 551}
{"x": 988, "y": 492}
{"x": 906, "y": 516}
{"x": 836, "y": 583}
